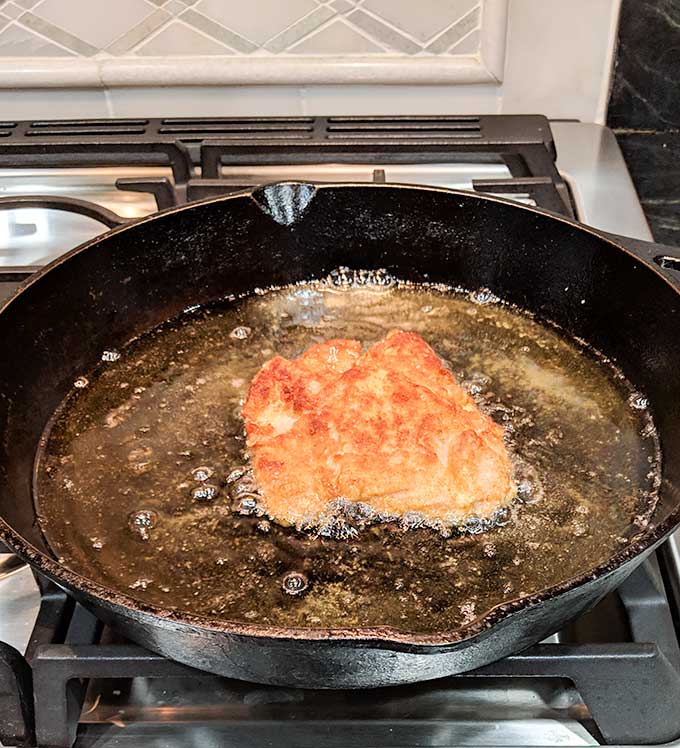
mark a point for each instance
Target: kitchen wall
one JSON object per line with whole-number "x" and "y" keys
{"x": 65, "y": 58}
{"x": 645, "y": 108}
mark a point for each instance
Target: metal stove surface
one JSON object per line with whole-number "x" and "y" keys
{"x": 182, "y": 712}
{"x": 588, "y": 158}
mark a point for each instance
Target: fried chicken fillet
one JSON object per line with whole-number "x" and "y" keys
{"x": 390, "y": 428}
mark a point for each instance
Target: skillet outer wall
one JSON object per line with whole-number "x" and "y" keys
{"x": 329, "y": 664}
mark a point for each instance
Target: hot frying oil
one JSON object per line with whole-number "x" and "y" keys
{"x": 140, "y": 479}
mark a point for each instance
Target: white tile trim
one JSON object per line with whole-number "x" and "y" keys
{"x": 48, "y": 72}
{"x": 493, "y": 35}
{"x": 196, "y": 71}
{"x": 294, "y": 71}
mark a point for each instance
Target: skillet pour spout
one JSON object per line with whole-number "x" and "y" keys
{"x": 620, "y": 296}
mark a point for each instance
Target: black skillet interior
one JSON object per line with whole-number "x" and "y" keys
{"x": 101, "y": 295}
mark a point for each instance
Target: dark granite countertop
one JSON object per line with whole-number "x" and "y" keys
{"x": 644, "y": 109}
{"x": 653, "y": 159}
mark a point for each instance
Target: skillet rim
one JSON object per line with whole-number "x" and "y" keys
{"x": 381, "y": 637}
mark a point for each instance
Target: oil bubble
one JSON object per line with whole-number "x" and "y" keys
{"x": 473, "y": 525}
{"x": 648, "y": 431}
{"x": 240, "y": 333}
{"x": 244, "y": 487}
{"x": 294, "y": 583}
{"x": 247, "y": 505}
{"x": 202, "y": 473}
{"x": 206, "y": 492}
{"x": 526, "y": 492}
{"x": 338, "y": 529}
{"x": 501, "y": 517}
{"x": 638, "y": 401}
{"x": 348, "y": 278}
{"x": 579, "y": 529}
{"x": 483, "y": 296}
{"x": 468, "y": 612}
{"x": 139, "y": 468}
{"x": 412, "y": 520}
{"x": 141, "y": 584}
{"x": 236, "y": 474}
{"x": 142, "y": 521}
{"x": 81, "y": 382}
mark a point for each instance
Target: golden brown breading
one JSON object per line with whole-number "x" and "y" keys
{"x": 390, "y": 428}
{"x": 283, "y": 390}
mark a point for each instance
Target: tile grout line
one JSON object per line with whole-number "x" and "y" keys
{"x": 326, "y": 24}
{"x": 127, "y": 41}
{"x": 445, "y": 36}
{"x": 472, "y": 12}
{"x": 37, "y": 25}
{"x": 229, "y": 52}
{"x": 202, "y": 22}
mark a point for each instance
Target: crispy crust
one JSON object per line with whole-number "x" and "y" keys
{"x": 391, "y": 428}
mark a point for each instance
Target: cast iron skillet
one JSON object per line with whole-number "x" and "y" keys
{"x": 616, "y": 297}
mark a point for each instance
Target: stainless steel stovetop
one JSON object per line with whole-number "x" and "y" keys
{"x": 175, "y": 711}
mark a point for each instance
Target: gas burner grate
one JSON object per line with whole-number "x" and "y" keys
{"x": 195, "y": 149}
{"x": 70, "y": 648}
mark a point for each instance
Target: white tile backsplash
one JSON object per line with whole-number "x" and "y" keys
{"x": 17, "y": 41}
{"x": 216, "y": 101}
{"x": 53, "y": 104}
{"x": 178, "y": 57}
{"x": 257, "y": 21}
{"x": 11, "y": 10}
{"x": 180, "y": 39}
{"x": 261, "y": 28}
{"x": 337, "y": 38}
{"x": 96, "y": 22}
{"x": 420, "y": 21}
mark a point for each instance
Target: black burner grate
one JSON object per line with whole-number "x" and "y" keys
{"x": 195, "y": 149}
{"x": 631, "y": 689}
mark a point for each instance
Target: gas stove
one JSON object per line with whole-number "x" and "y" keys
{"x": 612, "y": 677}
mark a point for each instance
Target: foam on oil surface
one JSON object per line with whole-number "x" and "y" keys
{"x": 144, "y": 483}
